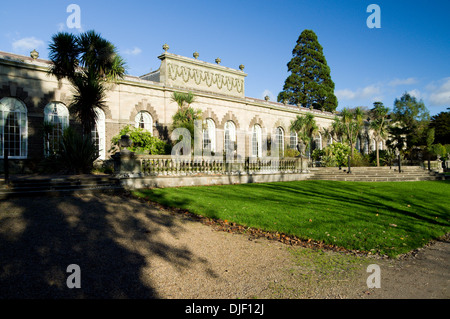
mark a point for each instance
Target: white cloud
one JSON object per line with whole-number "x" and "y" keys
{"x": 440, "y": 92}
{"x": 369, "y": 92}
{"x": 27, "y": 44}
{"x": 416, "y": 93}
{"x": 134, "y": 51}
{"x": 408, "y": 81}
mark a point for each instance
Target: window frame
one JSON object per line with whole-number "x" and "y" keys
{"x": 8, "y": 106}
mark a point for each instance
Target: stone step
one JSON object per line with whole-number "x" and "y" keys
{"x": 58, "y": 186}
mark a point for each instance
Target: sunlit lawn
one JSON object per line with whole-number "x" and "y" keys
{"x": 387, "y": 218}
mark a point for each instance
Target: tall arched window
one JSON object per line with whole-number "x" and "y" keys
{"x": 98, "y": 133}
{"x": 257, "y": 141}
{"x": 209, "y": 136}
{"x": 56, "y": 119}
{"x": 280, "y": 140}
{"x": 229, "y": 136}
{"x": 13, "y": 128}
{"x": 144, "y": 120}
{"x": 293, "y": 140}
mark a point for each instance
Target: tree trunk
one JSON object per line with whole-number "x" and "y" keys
{"x": 377, "y": 147}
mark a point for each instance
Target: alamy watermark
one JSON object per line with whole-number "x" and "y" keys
{"x": 374, "y": 20}
{"x": 374, "y": 280}
{"x": 74, "y": 19}
{"x": 74, "y": 280}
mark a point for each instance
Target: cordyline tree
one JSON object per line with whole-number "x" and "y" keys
{"x": 349, "y": 123}
{"x": 379, "y": 124}
{"x": 310, "y": 83}
{"x": 305, "y": 127}
{"x": 89, "y": 62}
{"x": 185, "y": 116}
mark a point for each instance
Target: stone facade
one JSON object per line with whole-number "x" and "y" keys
{"x": 219, "y": 91}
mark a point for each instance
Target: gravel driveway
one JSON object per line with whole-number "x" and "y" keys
{"x": 127, "y": 248}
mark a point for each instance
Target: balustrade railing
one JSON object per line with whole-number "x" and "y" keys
{"x": 167, "y": 165}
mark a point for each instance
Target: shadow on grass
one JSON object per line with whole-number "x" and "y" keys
{"x": 111, "y": 238}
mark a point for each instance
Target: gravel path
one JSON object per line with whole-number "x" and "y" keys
{"x": 127, "y": 248}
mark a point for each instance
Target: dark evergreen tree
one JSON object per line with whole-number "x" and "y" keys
{"x": 441, "y": 124}
{"x": 310, "y": 83}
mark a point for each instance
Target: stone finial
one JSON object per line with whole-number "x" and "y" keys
{"x": 241, "y": 67}
{"x": 196, "y": 55}
{"x": 166, "y": 47}
{"x": 34, "y": 54}
{"x": 218, "y": 60}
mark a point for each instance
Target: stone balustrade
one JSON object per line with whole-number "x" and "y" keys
{"x": 166, "y": 165}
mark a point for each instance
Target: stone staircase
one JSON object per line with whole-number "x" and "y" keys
{"x": 57, "y": 186}
{"x": 374, "y": 174}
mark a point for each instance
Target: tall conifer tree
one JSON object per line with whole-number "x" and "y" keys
{"x": 310, "y": 83}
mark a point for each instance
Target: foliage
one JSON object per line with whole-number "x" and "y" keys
{"x": 349, "y": 125}
{"x": 364, "y": 216}
{"x": 386, "y": 157}
{"x": 291, "y": 152}
{"x": 89, "y": 62}
{"x": 441, "y": 150}
{"x": 337, "y": 153}
{"x": 305, "y": 127}
{"x": 142, "y": 141}
{"x": 185, "y": 116}
{"x": 77, "y": 152}
{"x": 309, "y": 83}
{"x": 441, "y": 125}
{"x": 317, "y": 154}
{"x": 413, "y": 118}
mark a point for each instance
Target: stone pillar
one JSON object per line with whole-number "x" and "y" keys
{"x": 125, "y": 162}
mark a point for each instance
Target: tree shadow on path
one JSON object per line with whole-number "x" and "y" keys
{"x": 111, "y": 238}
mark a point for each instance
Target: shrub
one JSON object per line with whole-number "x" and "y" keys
{"x": 337, "y": 153}
{"x": 142, "y": 141}
{"x": 77, "y": 153}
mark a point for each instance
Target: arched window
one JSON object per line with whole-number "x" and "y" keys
{"x": 279, "y": 136}
{"x": 318, "y": 141}
{"x": 98, "y": 133}
{"x": 209, "y": 136}
{"x": 293, "y": 140}
{"x": 366, "y": 145}
{"x": 257, "y": 141}
{"x": 144, "y": 120}
{"x": 358, "y": 144}
{"x": 13, "y": 128}
{"x": 330, "y": 140}
{"x": 56, "y": 119}
{"x": 229, "y": 136}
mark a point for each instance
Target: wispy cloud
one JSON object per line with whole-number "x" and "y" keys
{"x": 134, "y": 51}
{"x": 27, "y": 44}
{"x": 440, "y": 92}
{"x": 408, "y": 81}
{"x": 369, "y": 92}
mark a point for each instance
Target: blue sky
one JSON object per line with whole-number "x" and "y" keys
{"x": 409, "y": 53}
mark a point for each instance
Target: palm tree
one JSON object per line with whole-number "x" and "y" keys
{"x": 89, "y": 62}
{"x": 350, "y": 123}
{"x": 305, "y": 127}
{"x": 379, "y": 125}
{"x": 185, "y": 116}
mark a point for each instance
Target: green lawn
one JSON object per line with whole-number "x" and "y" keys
{"x": 385, "y": 218}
